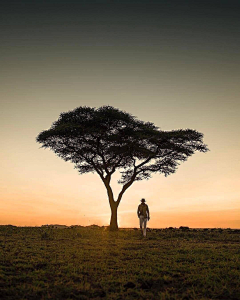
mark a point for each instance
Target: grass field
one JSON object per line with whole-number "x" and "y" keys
{"x": 94, "y": 263}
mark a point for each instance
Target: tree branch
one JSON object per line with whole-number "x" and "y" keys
{"x": 99, "y": 171}
{"x": 144, "y": 162}
{"x": 109, "y": 191}
{"x": 116, "y": 165}
{"x": 102, "y": 157}
{"x": 126, "y": 186}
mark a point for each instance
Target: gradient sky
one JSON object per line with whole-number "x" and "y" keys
{"x": 174, "y": 63}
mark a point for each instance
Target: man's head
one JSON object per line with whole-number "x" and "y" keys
{"x": 143, "y": 200}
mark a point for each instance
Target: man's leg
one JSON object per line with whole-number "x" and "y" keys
{"x": 141, "y": 219}
{"x": 145, "y": 227}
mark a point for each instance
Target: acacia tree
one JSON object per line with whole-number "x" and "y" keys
{"x": 106, "y": 139}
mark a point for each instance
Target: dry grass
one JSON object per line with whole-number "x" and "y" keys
{"x": 93, "y": 263}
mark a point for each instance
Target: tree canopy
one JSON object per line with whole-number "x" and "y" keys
{"x": 106, "y": 139}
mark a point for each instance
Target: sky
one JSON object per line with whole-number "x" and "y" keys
{"x": 174, "y": 63}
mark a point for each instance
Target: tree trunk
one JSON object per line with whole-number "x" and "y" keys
{"x": 113, "y": 222}
{"x": 114, "y": 204}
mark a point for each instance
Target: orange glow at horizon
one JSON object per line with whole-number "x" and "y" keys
{"x": 83, "y": 203}
{"x": 192, "y": 219}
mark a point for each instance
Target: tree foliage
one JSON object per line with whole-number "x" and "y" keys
{"x": 107, "y": 139}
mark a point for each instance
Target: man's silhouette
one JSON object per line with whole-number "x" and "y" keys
{"x": 144, "y": 216}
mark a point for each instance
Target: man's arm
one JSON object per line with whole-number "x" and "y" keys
{"x": 138, "y": 211}
{"x": 148, "y": 213}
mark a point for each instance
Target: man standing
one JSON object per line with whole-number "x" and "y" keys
{"x": 144, "y": 216}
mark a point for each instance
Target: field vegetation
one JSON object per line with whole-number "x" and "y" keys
{"x": 95, "y": 263}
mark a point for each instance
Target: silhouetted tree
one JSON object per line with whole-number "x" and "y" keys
{"x": 106, "y": 139}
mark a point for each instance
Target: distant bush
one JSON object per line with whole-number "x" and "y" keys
{"x": 184, "y": 228}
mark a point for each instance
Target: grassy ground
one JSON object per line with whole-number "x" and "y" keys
{"x": 93, "y": 263}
